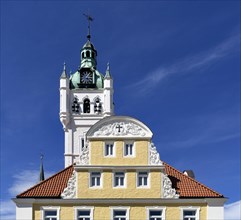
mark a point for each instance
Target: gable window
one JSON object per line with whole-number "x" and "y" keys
{"x": 129, "y": 149}
{"x": 86, "y": 106}
{"x": 109, "y": 149}
{"x": 95, "y": 179}
{"x": 84, "y": 213}
{"x": 119, "y": 179}
{"x": 156, "y": 213}
{"x": 190, "y": 213}
{"x": 142, "y": 179}
{"x": 50, "y": 213}
{"x": 120, "y": 213}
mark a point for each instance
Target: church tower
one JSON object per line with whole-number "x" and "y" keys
{"x": 85, "y": 98}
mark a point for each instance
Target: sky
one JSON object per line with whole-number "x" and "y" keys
{"x": 176, "y": 68}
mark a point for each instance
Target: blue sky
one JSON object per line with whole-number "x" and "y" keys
{"x": 175, "y": 64}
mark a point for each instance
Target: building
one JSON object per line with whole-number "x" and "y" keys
{"x": 112, "y": 168}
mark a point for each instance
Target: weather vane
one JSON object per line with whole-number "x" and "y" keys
{"x": 89, "y": 18}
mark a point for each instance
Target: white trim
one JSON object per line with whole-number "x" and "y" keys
{"x": 77, "y": 208}
{"x": 133, "y": 149}
{"x": 49, "y": 208}
{"x": 148, "y": 179}
{"x": 126, "y": 208}
{"x": 25, "y": 201}
{"x": 162, "y": 208}
{"x": 101, "y": 179}
{"x": 190, "y": 208}
{"x": 108, "y": 167}
{"x": 113, "y": 179}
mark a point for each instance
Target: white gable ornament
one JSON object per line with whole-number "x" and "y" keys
{"x": 120, "y": 129}
{"x": 70, "y": 191}
{"x": 168, "y": 191}
{"x": 154, "y": 157}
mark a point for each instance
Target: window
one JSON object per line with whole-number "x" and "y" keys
{"x": 120, "y": 213}
{"x": 119, "y": 179}
{"x": 50, "y": 213}
{"x": 87, "y": 53}
{"x": 95, "y": 179}
{"x": 190, "y": 213}
{"x": 142, "y": 179}
{"x": 86, "y": 106}
{"x": 129, "y": 149}
{"x": 97, "y": 106}
{"x": 84, "y": 213}
{"x": 156, "y": 213}
{"x": 109, "y": 149}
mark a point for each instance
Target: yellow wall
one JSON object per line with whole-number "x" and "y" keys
{"x": 97, "y": 154}
{"x": 137, "y": 212}
{"x": 108, "y": 191}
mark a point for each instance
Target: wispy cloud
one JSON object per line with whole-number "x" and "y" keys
{"x": 232, "y": 211}
{"x": 187, "y": 65}
{"x": 21, "y": 182}
{"x": 206, "y": 129}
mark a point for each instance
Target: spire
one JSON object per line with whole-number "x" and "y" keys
{"x": 107, "y": 72}
{"x": 89, "y": 18}
{"x": 41, "y": 173}
{"x": 64, "y": 74}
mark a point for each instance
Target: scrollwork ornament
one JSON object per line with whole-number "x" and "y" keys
{"x": 168, "y": 191}
{"x": 154, "y": 157}
{"x": 70, "y": 191}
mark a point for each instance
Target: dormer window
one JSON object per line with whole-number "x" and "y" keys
{"x": 86, "y": 106}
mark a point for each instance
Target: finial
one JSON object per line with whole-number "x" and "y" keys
{"x": 89, "y": 18}
{"x": 107, "y": 72}
{"x": 41, "y": 173}
{"x": 64, "y": 74}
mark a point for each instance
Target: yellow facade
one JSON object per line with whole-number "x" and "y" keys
{"x": 97, "y": 154}
{"x": 136, "y": 212}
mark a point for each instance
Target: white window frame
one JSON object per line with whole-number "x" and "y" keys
{"x": 133, "y": 149}
{"x": 190, "y": 208}
{"x": 50, "y": 208}
{"x": 83, "y": 208}
{"x": 156, "y": 208}
{"x": 120, "y": 208}
{"x": 148, "y": 179}
{"x": 114, "y": 175}
{"x": 90, "y": 179}
{"x": 105, "y": 149}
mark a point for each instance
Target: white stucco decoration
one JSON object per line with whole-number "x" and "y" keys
{"x": 154, "y": 157}
{"x": 119, "y": 126}
{"x": 84, "y": 156}
{"x": 168, "y": 191}
{"x": 70, "y": 191}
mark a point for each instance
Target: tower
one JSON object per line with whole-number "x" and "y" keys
{"x": 85, "y": 98}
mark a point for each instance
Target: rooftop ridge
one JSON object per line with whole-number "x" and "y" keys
{"x": 44, "y": 181}
{"x": 191, "y": 179}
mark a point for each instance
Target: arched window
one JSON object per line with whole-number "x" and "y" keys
{"x": 87, "y": 53}
{"x": 83, "y": 54}
{"x": 97, "y": 106}
{"x": 86, "y": 106}
{"x": 93, "y": 55}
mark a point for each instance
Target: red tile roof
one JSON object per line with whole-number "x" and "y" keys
{"x": 51, "y": 187}
{"x": 188, "y": 187}
{"x": 185, "y": 186}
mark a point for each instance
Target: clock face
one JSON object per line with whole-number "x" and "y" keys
{"x": 86, "y": 77}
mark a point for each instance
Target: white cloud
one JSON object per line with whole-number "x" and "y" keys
{"x": 232, "y": 211}
{"x": 187, "y": 65}
{"x": 22, "y": 181}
